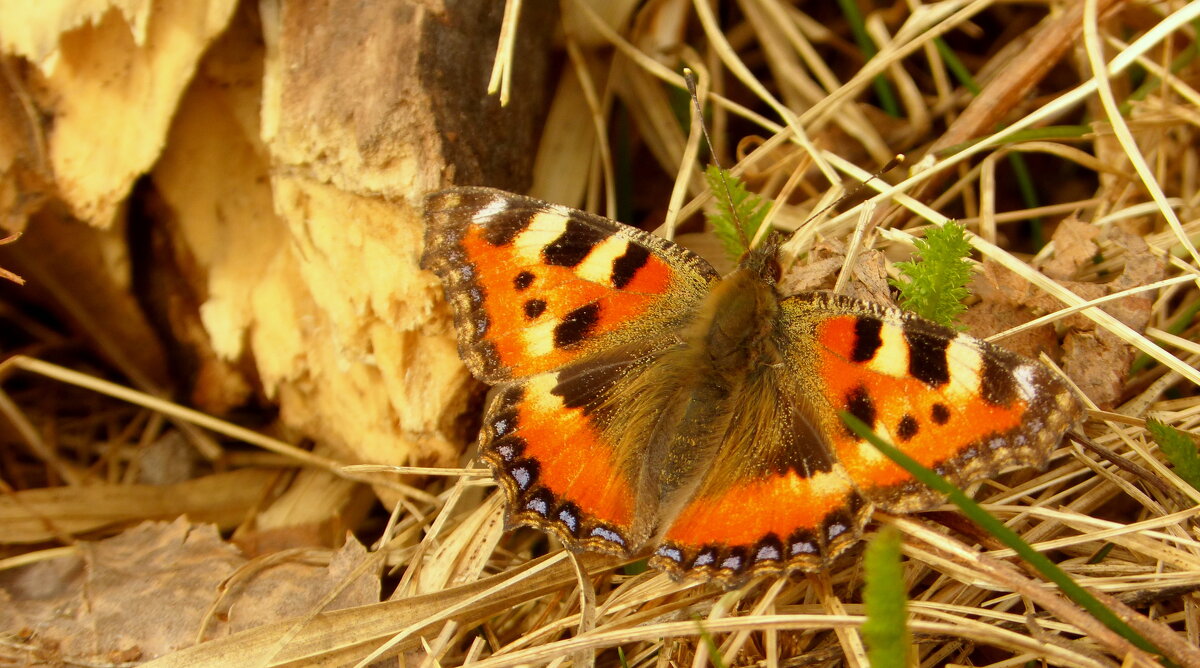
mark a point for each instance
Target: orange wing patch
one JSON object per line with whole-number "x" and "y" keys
{"x": 587, "y": 472}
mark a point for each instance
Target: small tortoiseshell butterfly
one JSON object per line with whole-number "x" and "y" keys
{"x": 642, "y": 399}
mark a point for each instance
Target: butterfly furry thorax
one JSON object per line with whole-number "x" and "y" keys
{"x": 643, "y": 401}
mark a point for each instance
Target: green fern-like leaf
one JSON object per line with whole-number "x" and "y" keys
{"x": 1179, "y": 448}
{"x": 735, "y": 205}
{"x": 886, "y": 628}
{"x": 936, "y": 286}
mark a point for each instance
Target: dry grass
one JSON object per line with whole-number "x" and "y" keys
{"x": 791, "y": 110}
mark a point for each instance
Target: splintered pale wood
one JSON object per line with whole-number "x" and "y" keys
{"x": 37, "y": 515}
{"x": 110, "y": 75}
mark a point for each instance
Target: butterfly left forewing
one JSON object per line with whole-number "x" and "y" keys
{"x": 958, "y": 405}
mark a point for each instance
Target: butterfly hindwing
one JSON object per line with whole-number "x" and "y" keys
{"x": 557, "y": 447}
{"x": 535, "y": 286}
{"x": 961, "y": 406}
{"x": 772, "y": 499}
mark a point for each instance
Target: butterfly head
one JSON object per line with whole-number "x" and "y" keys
{"x": 763, "y": 262}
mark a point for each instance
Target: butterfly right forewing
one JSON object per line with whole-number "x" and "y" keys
{"x": 535, "y": 286}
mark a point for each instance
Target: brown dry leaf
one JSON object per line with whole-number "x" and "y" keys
{"x": 823, "y": 265}
{"x": 871, "y": 279}
{"x": 340, "y": 637}
{"x": 995, "y": 283}
{"x": 1096, "y": 359}
{"x": 1141, "y": 267}
{"x": 989, "y": 317}
{"x": 1098, "y": 362}
{"x": 142, "y": 593}
{"x": 273, "y": 589}
{"x": 112, "y": 74}
{"x": 819, "y": 270}
{"x": 146, "y": 592}
{"x": 1074, "y": 245}
{"x": 38, "y": 515}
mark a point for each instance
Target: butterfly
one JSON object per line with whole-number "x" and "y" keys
{"x": 643, "y": 401}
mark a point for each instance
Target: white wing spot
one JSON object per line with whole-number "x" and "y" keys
{"x": 538, "y": 392}
{"x": 966, "y": 366}
{"x": 539, "y": 338}
{"x": 767, "y": 552}
{"x": 493, "y": 208}
{"x": 1026, "y": 381}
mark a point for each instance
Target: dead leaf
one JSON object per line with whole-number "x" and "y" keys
{"x": 295, "y": 586}
{"x": 142, "y": 592}
{"x": 1098, "y": 362}
{"x": 1074, "y": 245}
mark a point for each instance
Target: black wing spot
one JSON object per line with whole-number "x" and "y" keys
{"x": 573, "y": 245}
{"x": 587, "y": 387}
{"x": 627, "y": 266}
{"x": 996, "y": 382}
{"x": 866, "y": 338}
{"x": 577, "y": 326}
{"x": 940, "y": 413}
{"x": 535, "y": 308}
{"x": 907, "y": 428}
{"x": 860, "y": 405}
{"x": 927, "y": 357}
{"x": 522, "y": 281}
{"x": 501, "y": 229}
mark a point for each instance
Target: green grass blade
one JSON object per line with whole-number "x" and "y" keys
{"x": 886, "y": 629}
{"x": 883, "y": 89}
{"x": 1179, "y": 448}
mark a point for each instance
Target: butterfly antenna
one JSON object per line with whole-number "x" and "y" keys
{"x": 690, "y": 77}
{"x": 896, "y": 161}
